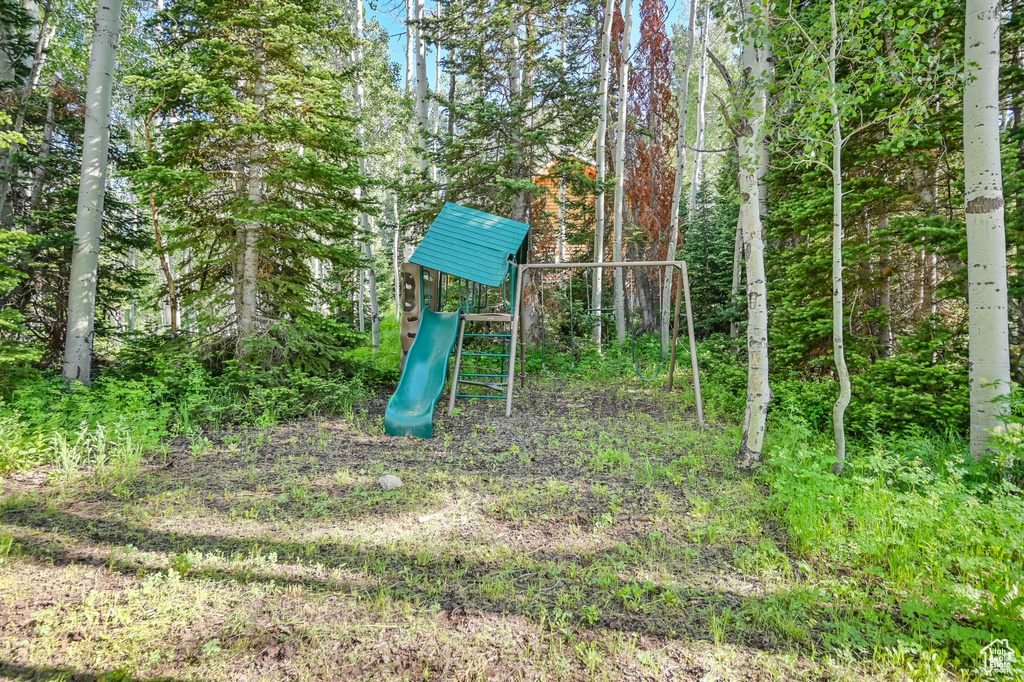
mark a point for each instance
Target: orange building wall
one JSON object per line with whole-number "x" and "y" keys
{"x": 546, "y": 244}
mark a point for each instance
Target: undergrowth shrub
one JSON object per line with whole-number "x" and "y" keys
{"x": 921, "y": 390}
{"x": 921, "y": 548}
{"x": 165, "y": 387}
{"x": 1008, "y": 438}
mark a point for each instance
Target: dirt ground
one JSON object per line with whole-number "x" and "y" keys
{"x": 597, "y": 534}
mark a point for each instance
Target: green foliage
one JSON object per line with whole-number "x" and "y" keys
{"x": 14, "y": 353}
{"x": 312, "y": 344}
{"x": 8, "y": 137}
{"x": 923, "y": 388}
{"x": 708, "y": 251}
{"x": 1007, "y": 441}
{"x": 500, "y": 139}
{"x": 257, "y": 157}
{"x": 17, "y": 47}
{"x": 935, "y": 544}
{"x": 35, "y": 254}
{"x": 158, "y": 388}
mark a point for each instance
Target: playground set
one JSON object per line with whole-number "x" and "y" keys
{"x": 462, "y": 291}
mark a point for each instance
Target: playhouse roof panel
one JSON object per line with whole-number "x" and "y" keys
{"x": 468, "y": 243}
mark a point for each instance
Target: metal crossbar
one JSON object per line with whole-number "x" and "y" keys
{"x": 685, "y": 289}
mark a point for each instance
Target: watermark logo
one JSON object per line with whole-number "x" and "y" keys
{"x": 998, "y": 658}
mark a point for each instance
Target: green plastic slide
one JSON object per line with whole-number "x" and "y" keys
{"x": 411, "y": 409}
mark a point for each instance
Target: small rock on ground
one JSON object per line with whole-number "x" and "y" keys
{"x": 389, "y": 482}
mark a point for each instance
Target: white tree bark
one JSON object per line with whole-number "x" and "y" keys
{"x": 410, "y": 75}
{"x": 838, "y": 341}
{"x": 410, "y": 47}
{"x": 435, "y": 121}
{"x": 620, "y": 154}
{"x": 751, "y": 142}
{"x": 677, "y": 189}
{"x": 371, "y": 291}
{"x": 360, "y": 294}
{"x": 989, "y": 354}
{"x": 39, "y": 174}
{"x": 89, "y": 217}
{"x": 885, "y": 336}
{"x": 368, "y": 284}
{"x": 421, "y": 89}
{"x": 396, "y": 259}
{"x": 764, "y": 56}
{"x": 737, "y": 276}
{"x": 597, "y": 292}
{"x": 369, "y": 276}
{"x": 43, "y": 34}
{"x": 702, "y": 91}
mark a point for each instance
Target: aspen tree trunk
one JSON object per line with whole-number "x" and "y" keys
{"x": 764, "y": 57}
{"x": 421, "y": 88}
{"x": 452, "y": 83}
{"x": 838, "y": 341}
{"x": 597, "y": 293}
{"x": 131, "y": 310}
{"x": 989, "y": 352}
{"x": 435, "y": 121}
{"x": 359, "y": 297}
{"x": 410, "y": 74}
{"x": 702, "y": 92}
{"x": 515, "y": 86}
{"x": 396, "y": 259}
{"x": 530, "y": 319}
{"x": 410, "y": 47}
{"x": 89, "y": 217}
{"x": 620, "y": 174}
{"x": 450, "y": 120}
{"x": 7, "y": 67}
{"x": 366, "y": 221}
{"x": 239, "y": 261}
{"x": 371, "y": 290}
{"x": 43, "y": 35}
{"x": 751, "y": 143}
{"x": 925, "y": 187}
{"x": 560, "y": 255}
{"x": 737, "y": 276}
{"x": 165, "y": 265}
{"x": 677, "y": 188}
{"x": 39, "y": 175}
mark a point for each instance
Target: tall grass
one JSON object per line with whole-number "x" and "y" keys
{"x": 921, "y": 547}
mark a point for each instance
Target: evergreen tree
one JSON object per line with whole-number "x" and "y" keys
{"x": 256, "y": 164}
{"x": 521, "y": 102}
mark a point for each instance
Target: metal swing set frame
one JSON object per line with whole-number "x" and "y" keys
{"x": 520, "y": 272}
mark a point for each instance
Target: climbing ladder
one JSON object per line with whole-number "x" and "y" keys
{"x": 491, "y": 369}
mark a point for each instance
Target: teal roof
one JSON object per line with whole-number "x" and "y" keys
{"x": 472, "y": 244}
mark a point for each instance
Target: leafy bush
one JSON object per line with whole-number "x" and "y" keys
{"x": 167, "y": 386}
{"x": 922, "y": 389}
{"x": 924, "y": 549}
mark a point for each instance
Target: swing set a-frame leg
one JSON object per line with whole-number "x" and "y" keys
{"x": 458, "y": 367}
{"x": 516, "y": 310}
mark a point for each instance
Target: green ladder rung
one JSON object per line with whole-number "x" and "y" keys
{"x": 493, "y": 376}
{"x": 467, "y": 395}
{"x": 488, "y": 335}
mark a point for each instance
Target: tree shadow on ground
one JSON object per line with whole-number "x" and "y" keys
{"x": 42, "y": 673}
{"x": 530, "y": 586}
